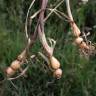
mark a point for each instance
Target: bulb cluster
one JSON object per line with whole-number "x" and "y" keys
{"x": 80, "y": 42}
{"x": 76, "y": 31}
{"x": 16, "y": 64}
{"x": 55, "y": 65}
{"x": 39, "y": 30}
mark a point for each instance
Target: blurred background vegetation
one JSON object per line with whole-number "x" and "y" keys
{"x": 79, "y": 73}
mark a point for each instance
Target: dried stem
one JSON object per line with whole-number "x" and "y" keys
{"x": 76, "y": 30}
{"x": 53, "y": 10}
{"x": 48, "y": 49}
{"x": 60, "y": 14}
{"x": 69, "y": 10}
{"x": 26, "y": 23}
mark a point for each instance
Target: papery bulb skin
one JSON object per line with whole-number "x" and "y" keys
{"x": 15, "y": 65}
{"x": 10, "y": 72}
{"x": 75, "y": 29}
{"x": 83, "y": 45}
{"x": 57, "y": 73}
{"x": 55, "y": 64}
{"x": 78, "y": 40}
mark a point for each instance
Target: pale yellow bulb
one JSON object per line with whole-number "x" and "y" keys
{"x": 84, "y": 45}
{"x": 57, "y": 73}
{"x": 10, "y": 72}
{"x": 78, "y": 40}
{"x": 55, "y": 64}
{"x": 15, "y": 65}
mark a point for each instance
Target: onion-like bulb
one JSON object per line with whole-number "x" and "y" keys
{"x": 13, "y": 68}
{"x": 83, "y": 45}
{"x": 57, "y": 73}
{"x": 10, "y": 72}
{"x": 15, "y": 65}
{"x": 78, "y": 40}
{"x": 55, "y": 64}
